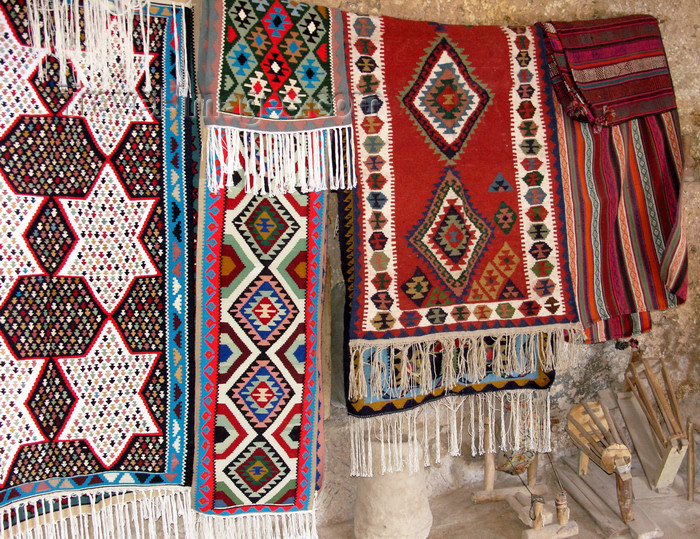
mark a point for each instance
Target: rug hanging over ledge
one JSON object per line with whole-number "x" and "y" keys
{"x": 95, "y": 280}
{"x": 275, "y": 96}
{"x": 457, "y": 224}
{"x": 258, "y": 432}
{"x": 622, "y": 167}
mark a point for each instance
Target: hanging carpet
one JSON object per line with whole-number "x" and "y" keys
{"x": 96, "y": 272}
{"x": 258, "y": 404}
{"x": 622, "y": 166}
{"x": 275, "y": 96}
{"x": 457, "y": 231}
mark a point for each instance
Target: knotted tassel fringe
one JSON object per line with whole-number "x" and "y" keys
{"x": 281, "y": 162}
{"x": 78, "y": 31}
{"x": 297, "y": 525}
{"x": 164, "y": 513}
{"x": 516, "y": 419}
{"x": 517, "y": 353}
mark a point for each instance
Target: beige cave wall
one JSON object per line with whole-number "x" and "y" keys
{"x": 675, "y": 335}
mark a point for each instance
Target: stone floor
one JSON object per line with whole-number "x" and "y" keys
{"x": 454, "y": 515}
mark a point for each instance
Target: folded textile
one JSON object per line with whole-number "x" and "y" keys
{"x": 622, "y": 175}
{"x": 258, "y": 405}
{"x": 457, "y": 224}
{"x": 275, "y": 97}
{"x": 608, "y": 71}
{"x": 627, "y": 238}
{"x": 96, "y": 273}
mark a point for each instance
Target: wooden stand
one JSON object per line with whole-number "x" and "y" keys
{"x": 595, "y": 493}
{"x": 594, "y": 431}
{"x": 489, "y": 494}
{"x": 592, "y": 488}
{"x": 653, "y": 420}
{"x": 519, "y": 499}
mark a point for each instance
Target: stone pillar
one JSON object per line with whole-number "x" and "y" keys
{"x": 392, "y": 505}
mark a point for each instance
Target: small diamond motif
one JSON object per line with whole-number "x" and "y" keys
{"x": 51, "y": 400}
{"x": 266, "y": 226}
{"x": 261, "y": 393}
{"x": 264, "y": 310}
{"x": 49, "y": 236}
{"x": 257, "y": 470}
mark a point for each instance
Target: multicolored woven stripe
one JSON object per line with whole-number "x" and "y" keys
{"x": 259, "y": 411}
{"x": 96, "y": 277}
{"x": 621, "y": 168}
{"x": 608, "y": 71}
{"x": 628, "y": 233}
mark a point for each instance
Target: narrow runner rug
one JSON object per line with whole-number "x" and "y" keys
{"x": 622, "y": 166}
{"x": 275, "y": 96}
{"x": 457, "y": 223}
{"x": 96, "y": 272}
{"x": 262, "y": 277}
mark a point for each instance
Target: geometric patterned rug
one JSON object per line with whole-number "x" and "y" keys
{"x": 258, "y": 380}
{"x": 456, "y": 233}
{"x": 96, "y": 272}
{"x": 475, "y": 243}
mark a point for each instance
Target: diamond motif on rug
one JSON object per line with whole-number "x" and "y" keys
{"x": 49, "y": 236}
{"x": 264, "y": 310}
{"x": 451, "y": 236}
{"x": 266, "y": 226}
{"x": 445, "y": 100}
{"x": 505, "y": 217}
{"x": 51, "y": 400}
{"x": 257, "y": 470}
{"x": 261, "y": 393}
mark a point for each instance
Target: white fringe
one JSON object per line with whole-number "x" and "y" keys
{"x": 521, "y": 354}
{"x": 297, "y": 525}
{"x": 55, "y": 24}
{"x": 274, "y": 163}
{"x": 163, "y": 513}
{"x": 516, "y": 419}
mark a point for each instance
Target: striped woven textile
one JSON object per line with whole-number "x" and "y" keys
{"x": 608, "y": 71}
{"x": 626, "y": 233}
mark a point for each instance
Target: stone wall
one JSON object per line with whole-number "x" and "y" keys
{"x": 598, "y": 366}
